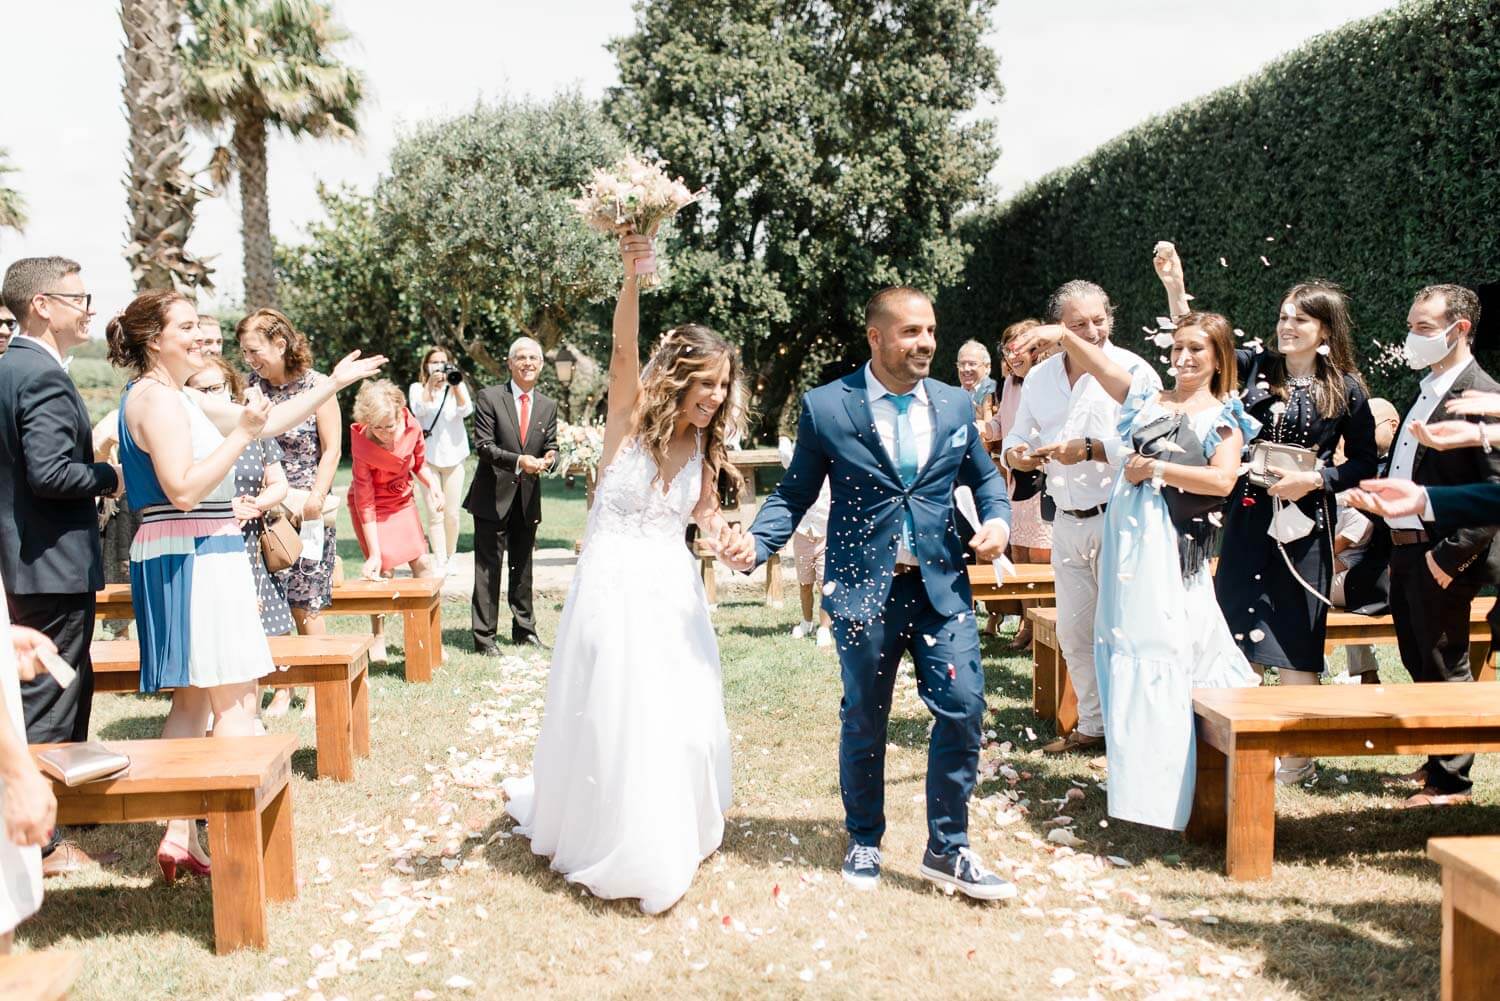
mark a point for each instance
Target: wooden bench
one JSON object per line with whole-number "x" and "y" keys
{"x": 334, "y": 665}
{"x": 1241, "y": 731}
{"x": 1471, "y": 916}
{"x": 419, "y": 600}
{"x": 39, "y": 976}
{"x": 1033, "y": 581}
{"x": 242, "y": 785}
{"x": 1052, "y": 694}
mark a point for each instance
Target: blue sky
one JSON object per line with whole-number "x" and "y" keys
{"x": 1075, "y": 72}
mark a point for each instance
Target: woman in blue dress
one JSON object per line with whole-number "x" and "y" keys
{"x": 1158, "y": 631}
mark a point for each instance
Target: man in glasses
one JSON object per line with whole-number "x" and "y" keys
{"x": 50, "y": 556}
{"x": 7, "y": 329}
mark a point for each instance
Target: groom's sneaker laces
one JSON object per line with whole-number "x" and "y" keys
{"x": 964, "y": 872}
{"x": 862, "y": 866}
{"x": 970, "y": 869}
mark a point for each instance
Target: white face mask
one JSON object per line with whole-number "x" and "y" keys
{"x": 1288, "y": 523}
{"x": 1425, "y": 352}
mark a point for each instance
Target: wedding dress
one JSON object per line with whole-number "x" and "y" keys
{"x": 630, "y": 777}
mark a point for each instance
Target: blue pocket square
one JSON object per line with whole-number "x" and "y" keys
{"x": 960, "y": 437}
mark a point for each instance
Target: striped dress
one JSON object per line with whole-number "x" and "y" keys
{"x": 196, "y": 612}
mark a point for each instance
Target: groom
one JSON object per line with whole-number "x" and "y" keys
{"x": 893, "y": 444}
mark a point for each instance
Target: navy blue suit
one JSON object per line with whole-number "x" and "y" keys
{"x": 878, "y": 616}
{"x": 1475, "y": 505}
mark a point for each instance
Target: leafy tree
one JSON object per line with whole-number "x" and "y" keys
{"x": 161, "y": 195}
{"x": 339, "y": 287}
{"x": 836, "y": 143}
{"x": 254, "y": 65}
{"x": 476, "y": 213}
{"x": 12, "y": 205}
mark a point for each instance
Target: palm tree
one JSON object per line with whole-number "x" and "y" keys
{"x": 160, "y": 194}
{"x": 12, "y": 205}
{"x": 254, "y": 65}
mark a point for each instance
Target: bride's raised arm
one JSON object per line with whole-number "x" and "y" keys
{"x": 625, "y": 354}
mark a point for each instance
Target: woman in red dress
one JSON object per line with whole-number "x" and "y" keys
{"x": 387, "y": 447}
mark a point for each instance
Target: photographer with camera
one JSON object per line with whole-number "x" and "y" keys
{"x": 440, "y": 402}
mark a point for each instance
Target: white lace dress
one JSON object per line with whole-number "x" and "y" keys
{"x": 630, "y": 778}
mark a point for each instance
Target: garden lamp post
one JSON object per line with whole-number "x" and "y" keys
{"x": 564, "y": 360}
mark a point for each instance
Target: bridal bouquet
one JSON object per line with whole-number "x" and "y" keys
{"x": 634, "y": 196}
{"x": 579, "y": 447}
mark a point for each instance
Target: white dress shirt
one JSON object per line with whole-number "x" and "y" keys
{"x": 448, "y": 444}
{"x": 1052, "y": 411}
{"x": 1434, "y": 387}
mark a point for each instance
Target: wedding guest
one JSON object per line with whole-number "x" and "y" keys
{"x": 515, "y": 436}
{"x": 213, "y": 335}
{"x": 1362, "y": 552}
{"x": 50, "y": 556}
{"x": 280, "y": 361}
{"x": 259, "y": 487}
{"x": 441, "y": 407}
{"x": 974, "y": 377}
{"x": 7, "y": 329}
{"x": 1435, "y": 575}
{"x": 809, "y": 547}
{"x": 1158, "y": 628}
{"x": 27, "y": 805}
{"x": 194, "y": 595}
{"x": 386, "y": 444}
{"x": 1030, "y": 533}
{"x": 116, "y": 520}
{"x": 1068, "y": 425}
{"x": 1306, "y": 391}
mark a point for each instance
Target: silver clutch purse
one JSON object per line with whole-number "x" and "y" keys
{"x": 88, "y": 761}
{"x": 1270, "y": 460}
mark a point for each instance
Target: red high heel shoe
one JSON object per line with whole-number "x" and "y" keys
{"x": 169, "y": 857}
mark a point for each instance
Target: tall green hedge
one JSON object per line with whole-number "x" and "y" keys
{"x": 1371, "y": 156}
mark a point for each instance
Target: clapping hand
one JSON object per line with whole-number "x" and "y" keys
{"x": 352, "y": 368}
{"x": 1389, "y": 498}
{"x": 1473, "y": 403}
{"x": 1443, "y": 435}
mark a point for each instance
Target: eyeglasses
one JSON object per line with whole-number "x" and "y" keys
{"x": 217, "y": 388}
{"x": 87, "y": 297}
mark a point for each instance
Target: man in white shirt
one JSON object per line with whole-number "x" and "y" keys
{"x": 1069, "y": 424}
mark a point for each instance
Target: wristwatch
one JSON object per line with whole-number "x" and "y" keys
{"x": 1088, "y": 448}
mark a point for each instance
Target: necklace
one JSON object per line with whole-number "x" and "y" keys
{"x": 1299, "y": 381}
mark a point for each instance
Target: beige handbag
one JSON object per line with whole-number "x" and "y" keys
{"x": 1271, "y": 460}
{"x": 280, "y": 545}
{"x": 89, "y": 761}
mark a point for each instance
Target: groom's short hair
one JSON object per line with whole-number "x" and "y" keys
{"x": 878, "y": 308}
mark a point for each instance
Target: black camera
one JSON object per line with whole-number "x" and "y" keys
{"x": 452, "y": 373}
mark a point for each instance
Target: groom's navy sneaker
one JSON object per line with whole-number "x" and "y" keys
{"x": 862, "y": 866}
{"x": 962, "y": 871}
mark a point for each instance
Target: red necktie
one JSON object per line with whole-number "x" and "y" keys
{"x": 525, "y": 416}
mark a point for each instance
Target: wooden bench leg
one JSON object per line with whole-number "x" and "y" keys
{"x": 1043, "y": 678}
{"x": 773, "y": 581}
{"x": 424, "y": 641}
{"x": 360, "y": 708}
{"x": 1480, "y": 664}
{"x": 335, "y": 731}
{"x": 1067, "y": 699}
{"x": 1471, "y": 949}
{"x": 1251, "y": 841}
{"x": 1209, "y": 820}
{"x": 278, "y": 852}
{"x": 235, "y": 841}
{"x": 710, "y": 579}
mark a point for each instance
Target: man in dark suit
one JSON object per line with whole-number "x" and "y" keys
{"x": 1435, "y": 572}
{"x": 50, "y": 556}
{"x": 515, "y": 437}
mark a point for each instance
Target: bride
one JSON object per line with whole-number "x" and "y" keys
{"x": 630, "y": 777}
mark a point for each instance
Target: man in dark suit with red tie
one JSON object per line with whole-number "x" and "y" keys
{"x": 515, "y": 437}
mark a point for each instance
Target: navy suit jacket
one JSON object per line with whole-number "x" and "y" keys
{"x": 1475, "y": 505}
{"x": 837, "y": 441}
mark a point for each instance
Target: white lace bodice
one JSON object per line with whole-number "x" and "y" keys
{"x": 629, "y": 500}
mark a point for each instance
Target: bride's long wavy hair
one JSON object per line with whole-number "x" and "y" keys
{"x": 683, "y": 354}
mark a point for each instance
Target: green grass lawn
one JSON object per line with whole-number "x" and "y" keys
{"x": 410, "y": 876}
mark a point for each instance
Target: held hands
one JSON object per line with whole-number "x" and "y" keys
{"x": 352, "y": 368}
{"x": 635, "y": 248}
{"x": 735, "y": 548}
{"x": 1443, "y": 435}
{"x": 30, "y": 645}
{"x": 989, "y": 541}
{"x": 1295, "y": 486}
{"x": 254, "y": 413}
{"x": 1389, "y": 498}
{"x": 244, "y": 509}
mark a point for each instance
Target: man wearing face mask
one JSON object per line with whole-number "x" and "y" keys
{"x": 1436, "y": 573}
{"x": 1067, "y": 422}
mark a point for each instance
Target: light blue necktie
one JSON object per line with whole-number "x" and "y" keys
{"x": 906, "y": 460}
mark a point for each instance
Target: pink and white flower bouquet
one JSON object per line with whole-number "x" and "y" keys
{"x": 579, "y": 448}
{"x": 634, "y": 196}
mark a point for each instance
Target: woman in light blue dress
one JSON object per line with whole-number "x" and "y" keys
{"x": 1158, "y": 631}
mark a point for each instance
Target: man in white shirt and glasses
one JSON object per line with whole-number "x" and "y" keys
{"x": 1068, "y": 424}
